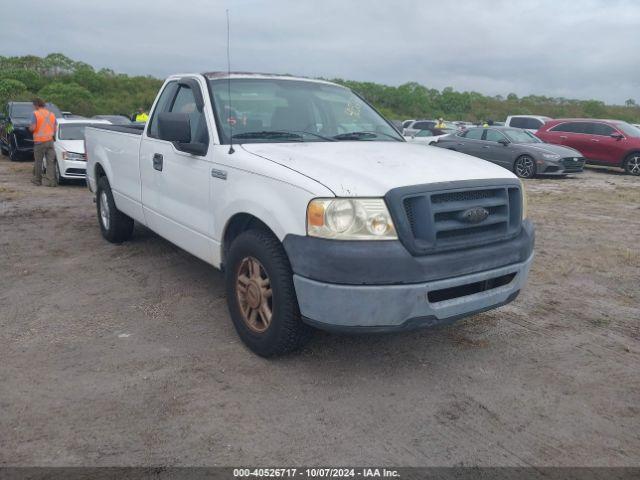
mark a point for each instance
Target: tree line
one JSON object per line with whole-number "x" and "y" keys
{"x": 79, "y": 88}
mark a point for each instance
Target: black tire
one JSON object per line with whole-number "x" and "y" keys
{"x": 524, "y": 166}
{"x": 286, "y": 332}
{"x": 632, "y": 164}
{"x": 59, "y": 177}
{"x": 116, "y": 227}
{"x": 14, "y": 155}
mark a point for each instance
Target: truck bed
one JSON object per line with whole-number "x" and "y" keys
{"x": 135, "y": 128}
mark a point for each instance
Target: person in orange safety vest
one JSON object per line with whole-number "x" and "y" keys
{"x": 43, "y": 126}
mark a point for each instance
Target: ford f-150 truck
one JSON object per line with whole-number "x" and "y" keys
{"x": 314, "y": 206}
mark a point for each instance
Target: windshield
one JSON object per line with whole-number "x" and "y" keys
{"x": 74, "y": 131}
{"x": 521, "y": 136}
{"x": 21, "y": 110}
{"x": 629, "y": 129}
{"x": 24, "y": 110}
{"x": 279, "y": 110}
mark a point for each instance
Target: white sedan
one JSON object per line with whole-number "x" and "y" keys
{"x": 429, "y": 136}
{"x": 71, "y": 160}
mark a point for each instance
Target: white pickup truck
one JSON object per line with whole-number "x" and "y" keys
{"x": 314, "y": 206}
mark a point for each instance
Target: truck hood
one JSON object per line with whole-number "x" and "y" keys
{"x": 76, "y": 146}
{"x": 363, "y": 168}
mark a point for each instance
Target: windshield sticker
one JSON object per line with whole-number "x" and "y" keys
{"x": 352, "y": 109}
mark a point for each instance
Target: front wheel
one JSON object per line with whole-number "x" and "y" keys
{"x": 59, "y": 176}
{"x": 632, "y": 164}
{"x": 261, "y": 296}
{"x": 14, "y": 155}
{"x": 116, "y": 227}
{"x": 525, "y": 167}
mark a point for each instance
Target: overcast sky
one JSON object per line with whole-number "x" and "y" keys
{"x": 572, "y": 48}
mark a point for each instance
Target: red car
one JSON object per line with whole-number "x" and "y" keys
{"x": 602, "y": 142}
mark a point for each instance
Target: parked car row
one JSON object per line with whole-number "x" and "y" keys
{"x": 16, "y": 141}
{"x": 534, "y": 144}
{"x": 516, "y": 149}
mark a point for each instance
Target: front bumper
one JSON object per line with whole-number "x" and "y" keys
{"x": 563, "y": 166}
{"x": 386, "y": 308}
{"x": 22, "y": 140}
{"x": 72, "y": 169}
{"x": 379, "y": 286}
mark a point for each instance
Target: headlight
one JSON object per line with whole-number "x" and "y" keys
{"x": 350, "y": 219}
{"x": 551, "y": 156}
{"x": 76, "y": 157}
{"x": 524, "y": 201}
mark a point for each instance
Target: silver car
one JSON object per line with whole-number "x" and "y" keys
{"x": 515, "y": 149}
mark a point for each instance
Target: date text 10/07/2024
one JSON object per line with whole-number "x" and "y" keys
{"x": 315, "y": 473}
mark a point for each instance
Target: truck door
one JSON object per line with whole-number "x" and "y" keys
{"x": 604, "y": 147}
{"x": 175, "y": 184}
{"x": 494, "y": 151}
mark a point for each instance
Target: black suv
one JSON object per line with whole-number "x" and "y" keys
{"x": 15, "y": 138}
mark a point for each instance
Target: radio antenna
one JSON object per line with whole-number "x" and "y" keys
{"x": 229, "y": 120}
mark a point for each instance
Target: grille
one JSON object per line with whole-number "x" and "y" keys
{"x": 75, "y": 171}
{"x": 572, "y": 165}
{"x": 469, "y": 289}
{"x": 446, "y": 220}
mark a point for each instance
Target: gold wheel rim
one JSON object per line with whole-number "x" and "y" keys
{"x": 253, "y": 289}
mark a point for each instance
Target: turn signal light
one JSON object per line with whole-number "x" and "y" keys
{"x": 315, "y": 214}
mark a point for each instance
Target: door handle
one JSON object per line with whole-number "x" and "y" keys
{"x": 460, "y": 143}
{"x": 595, "y": 140}
{"x": 564, "y": 137}
{"x": 221, "y": 174}
{"x": 486, "y": 146}
{"x": 157, "y": 161}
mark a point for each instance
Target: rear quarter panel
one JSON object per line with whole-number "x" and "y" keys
{"x": 118, "y": 155}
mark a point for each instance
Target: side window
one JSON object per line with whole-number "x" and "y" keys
{"x": 473, "y": 133}
{"x": 185, "y": 102}
{"x": 569, "y": 127}
{"x": 518, "y": 122}
{"x": 423, "y": 125}
{"x": 601, "y": 129}
{"x": 493, "y": 136}
{"x": 425, "y": 133}
{"x": 532, "y": 123}
{"x": 407, "y": 123}
{"x": 161, "y": 106}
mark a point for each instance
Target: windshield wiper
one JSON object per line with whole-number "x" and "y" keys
{"x": 363, "y": 136}
{"x": 268, "y": 134}
{"x": 329, "y": 139}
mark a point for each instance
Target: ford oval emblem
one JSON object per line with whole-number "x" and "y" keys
{"x": 474, "y": 215}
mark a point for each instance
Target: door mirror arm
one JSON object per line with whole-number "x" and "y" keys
{"x": 504, "y": 142}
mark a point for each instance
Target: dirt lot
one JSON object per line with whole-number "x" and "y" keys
{"x": 125, "y": 355}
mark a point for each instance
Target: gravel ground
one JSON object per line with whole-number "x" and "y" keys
{"x": 125, "y": 355}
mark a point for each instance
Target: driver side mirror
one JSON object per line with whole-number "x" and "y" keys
{"x": 504, "y": 141}
{"x": 176, "y": 128}
{"x": 617, "y": 136}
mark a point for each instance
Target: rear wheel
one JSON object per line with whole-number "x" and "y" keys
{"x": 116, "y": 227}
{"x": 261, "y": 296}
{"x": 525, "y": 167}
{"x": 632, "y": 164}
